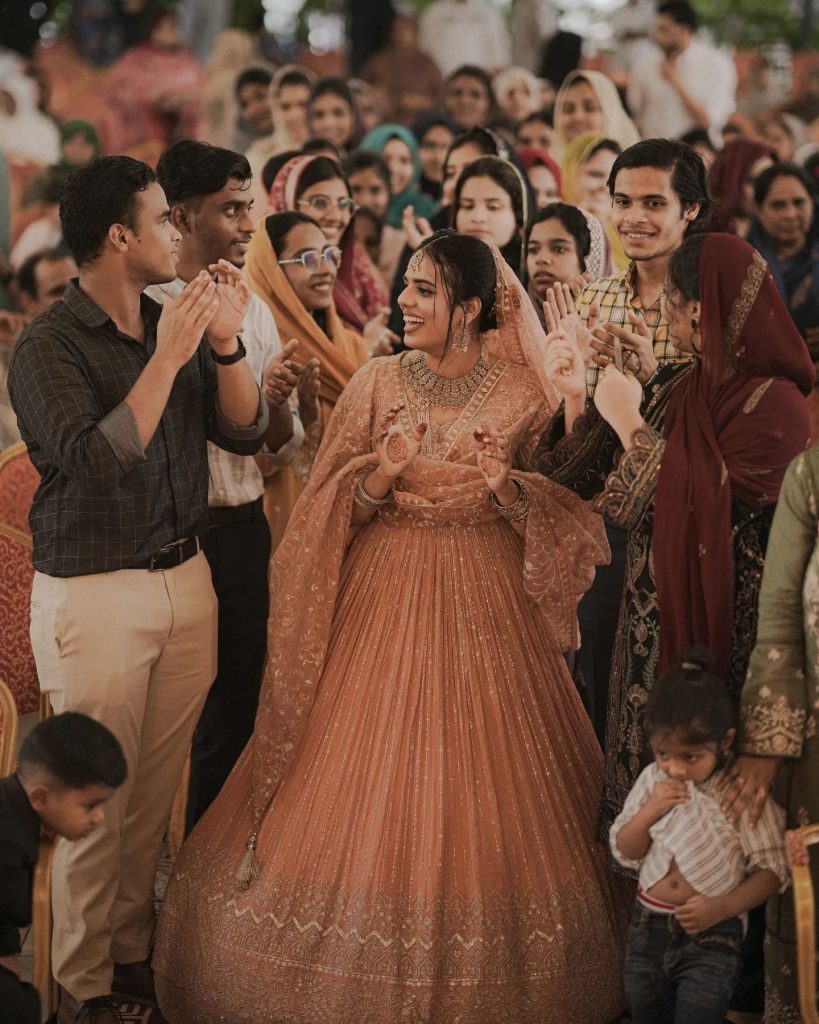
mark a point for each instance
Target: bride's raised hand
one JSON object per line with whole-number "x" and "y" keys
{"x": 495, "y": 461}
{"x": 396, "y": 449}
{"x": 564, "y": 366}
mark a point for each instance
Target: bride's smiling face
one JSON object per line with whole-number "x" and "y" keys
{"x": 425, "y": 304}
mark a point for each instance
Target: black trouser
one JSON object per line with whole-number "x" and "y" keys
{"x": 598, "y": 615}
{"x": 238, "y": 553}
{"x": 19, "y": 1001}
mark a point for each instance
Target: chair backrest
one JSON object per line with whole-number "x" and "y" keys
{"x": 8, "y": 730}
{"x": 18, "y": 482}
{"x": 798, "y": 841}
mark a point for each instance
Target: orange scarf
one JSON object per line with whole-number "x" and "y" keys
{"x": 340, "y": 352}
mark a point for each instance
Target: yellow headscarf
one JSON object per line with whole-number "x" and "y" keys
{"x": 577, "y": 153}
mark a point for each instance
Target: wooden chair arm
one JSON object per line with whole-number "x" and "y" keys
{"x": 797, "y": 843}
{"x": 41, "y": 925}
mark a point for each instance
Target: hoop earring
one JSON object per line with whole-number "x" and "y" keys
{"x": 461, "y": 344}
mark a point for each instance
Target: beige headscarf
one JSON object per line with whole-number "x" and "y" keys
{"x": 616, "y": 125}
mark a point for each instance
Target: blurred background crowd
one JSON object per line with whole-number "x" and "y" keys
{"x": 404, "y": 97}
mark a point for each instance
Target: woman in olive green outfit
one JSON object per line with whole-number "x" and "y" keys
{"x": 779, "y": 707}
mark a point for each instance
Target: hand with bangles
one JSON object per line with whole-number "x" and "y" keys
{"x": 618, "y": 397}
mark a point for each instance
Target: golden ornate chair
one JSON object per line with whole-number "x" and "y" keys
{"x": 18, "y": 482}
{"x": 8, "y": 730}
{"x": 798, "y": 841}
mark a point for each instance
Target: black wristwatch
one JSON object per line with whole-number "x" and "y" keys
{"x": 240, "y": 353}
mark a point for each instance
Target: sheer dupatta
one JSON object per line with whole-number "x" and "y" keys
{"x": 564, "y": 542}
{"x": 733, "y": 426}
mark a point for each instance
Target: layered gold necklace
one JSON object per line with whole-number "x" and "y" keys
{"x": 430, "y": 388}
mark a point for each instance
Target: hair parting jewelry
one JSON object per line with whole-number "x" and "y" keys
{"x": 519, "y": 509}
{"x": 415, "y": 261}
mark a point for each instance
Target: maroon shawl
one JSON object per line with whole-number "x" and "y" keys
{"x": 733, "y": 425}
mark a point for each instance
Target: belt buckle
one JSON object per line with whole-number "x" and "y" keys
{"x": 176, "y": 546}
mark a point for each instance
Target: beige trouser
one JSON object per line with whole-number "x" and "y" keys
{"x": 135, "y": 650}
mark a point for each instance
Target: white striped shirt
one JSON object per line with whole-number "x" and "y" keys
{"x": 236, "y": 479}
{"x": 713, "y": 855}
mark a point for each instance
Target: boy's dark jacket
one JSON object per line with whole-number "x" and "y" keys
{"x": 19, "y": 841}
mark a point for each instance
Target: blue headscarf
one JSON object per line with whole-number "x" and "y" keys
{"x": 410, "y": 195}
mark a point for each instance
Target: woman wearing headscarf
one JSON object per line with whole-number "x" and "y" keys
{"x": 705, "y": 449}
{"x": 300, "y": 299}
{"x": 399, "y": 148}
{"x": 587, "y": 163}
{"x": 588, "y": 101}
{"x": 544, "y": 174}
{"x": 731, "y": 178}
{"x": 317, "y": 186}
{"x": 517, "y": 92}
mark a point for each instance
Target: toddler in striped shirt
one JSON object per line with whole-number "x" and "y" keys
{"x": 699, "y": 873}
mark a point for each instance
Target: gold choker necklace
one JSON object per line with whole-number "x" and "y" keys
{"x": 430, "y": 388}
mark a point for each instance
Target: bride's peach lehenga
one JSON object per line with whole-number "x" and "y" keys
{"x": 423, "y": 778}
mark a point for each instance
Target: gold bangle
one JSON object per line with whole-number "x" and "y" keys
{"x": 519, "y": 509}
{"x": 367, "y": 501}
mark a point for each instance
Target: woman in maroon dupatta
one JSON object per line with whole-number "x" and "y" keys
{"x": 697, "y": 489}
{"x": 697, "y": 485}
{"x": 316, "y": 185}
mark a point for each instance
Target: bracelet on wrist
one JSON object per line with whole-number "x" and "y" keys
{"x": 367, "y": 501}
{"x": 519, "y": 509}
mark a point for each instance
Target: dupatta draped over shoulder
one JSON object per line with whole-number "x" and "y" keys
{"x": 564, "y": 539}
{"x": 359, "y": 292}
{"x": 732, "y": 427}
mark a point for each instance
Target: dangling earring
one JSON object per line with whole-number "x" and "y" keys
{"x": 461, "y": 344}
{"x": 695, "y": 327}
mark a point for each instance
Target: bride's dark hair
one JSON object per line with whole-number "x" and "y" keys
{"x": 467, "y": 269}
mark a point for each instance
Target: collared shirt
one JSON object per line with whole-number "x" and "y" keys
{"x": 456, "y": 32}
{"x": 707, "y": 75}
{"x": 236, "y": 479}
{"x": 103, "y": 502}
{"x": 617, "y": 297}
{"x": 713, "y": 855}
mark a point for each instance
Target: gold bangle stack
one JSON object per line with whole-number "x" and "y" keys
{"x": 519, "y": 509}
{"x": 367, "y": 501}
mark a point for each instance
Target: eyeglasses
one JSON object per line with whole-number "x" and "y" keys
{"x": 323, "y": 204}
{"x": 312, "y": 259}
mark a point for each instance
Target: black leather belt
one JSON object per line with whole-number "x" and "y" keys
{"x": 171, "y": 555}
{"x": 223, "y": 515}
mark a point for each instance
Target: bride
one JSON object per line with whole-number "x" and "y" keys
{"x": 408, "y": 837}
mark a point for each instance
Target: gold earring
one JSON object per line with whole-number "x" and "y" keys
{"x": 461, "y": 344}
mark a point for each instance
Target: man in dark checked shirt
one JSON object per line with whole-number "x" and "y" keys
{"x": 116, "y": 404}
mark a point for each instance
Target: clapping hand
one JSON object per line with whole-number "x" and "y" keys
{"x": 396, "y": 449}
{"x": 415, "y": 228}
{"x": 184, "y": 319}
{"x": 618, "y": 397}
{"x": 380, "y": 339}
{"x": 564, "y": 366}
{"x": 308, "y": 390}
{"x": 233, "y": 294}
{"x": 638, "y": 347}
{"x": 494, "y": 458}
{"x": 560, "y": 312}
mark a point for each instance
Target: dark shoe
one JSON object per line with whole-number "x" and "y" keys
{"x": 134, "y": 983}
{"x": 99, "y": 1010}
